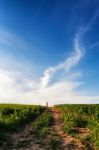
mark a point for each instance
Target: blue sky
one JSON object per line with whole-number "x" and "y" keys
{"x": 49, "y": 51}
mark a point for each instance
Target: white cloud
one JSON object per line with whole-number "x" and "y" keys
{"x": 18, "y": 86}
{"x": 58, "y": 84}
{"x": 75, "y": 56}
{"x": 67, "y": 65}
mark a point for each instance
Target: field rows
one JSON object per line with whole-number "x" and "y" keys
{"x": 39, "y": 128}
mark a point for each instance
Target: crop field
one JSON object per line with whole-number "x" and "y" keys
{"x": 61, "y": 127}
{"x": 81, "y": 122}
{"x": 13, "y": 117}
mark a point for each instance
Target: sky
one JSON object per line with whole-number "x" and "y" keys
{"x": 49, "y": 51}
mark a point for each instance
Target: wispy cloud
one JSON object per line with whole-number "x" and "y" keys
{"x": 88, "y": 26}
{"x": 56, "y": 84}
{"x": 67, "y": 65}
{"x": 9, "y": 39}
{"x": 18, "y": 86}
{"x": 93, "y": 45}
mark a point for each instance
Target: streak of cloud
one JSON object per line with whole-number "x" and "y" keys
{"x": 38, "y": 90}
{"x": 10, "y": 39}
{"x": 67, "y": 65}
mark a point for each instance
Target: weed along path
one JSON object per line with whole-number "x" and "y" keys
{"x": 66, "y": 142}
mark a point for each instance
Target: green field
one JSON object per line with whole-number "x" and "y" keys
{"x": 26, "y": 126}
{"x": 13, "y": 117}
{"x": 76, "y": 117}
